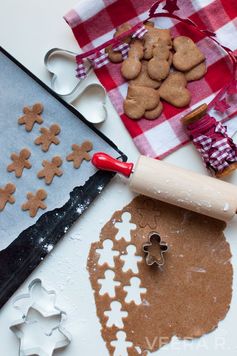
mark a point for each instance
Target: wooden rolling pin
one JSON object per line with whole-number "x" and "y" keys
{"x": 159, "y": 180}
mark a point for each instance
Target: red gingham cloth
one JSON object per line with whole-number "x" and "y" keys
{"x": 94, "y": 22}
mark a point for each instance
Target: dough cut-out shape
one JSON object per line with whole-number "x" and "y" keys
{"x": 108, "y": 284}
{"x": 48, "y": 136}
{"x": 124, "y": 227}
{"x": 35, "y": 202}
{"x": 80, "y": 153}
{"x": 130, "y": 259}
{"x": 187, "y": 298}
{"x": 121, "y": 345}
{"x": 134, "y": 291}
{"x": 6, "y": 195}
{"x": 19, "y": 162}
{"x": 107, "y": 253}
{"x": 115, "y": 315}
{"x": 31, "y": 116}
{"x": 146, "y": 218}
{"x": 51, "y": 169}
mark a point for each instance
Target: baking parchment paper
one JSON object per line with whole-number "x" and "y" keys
{"x": 17, "y": 90}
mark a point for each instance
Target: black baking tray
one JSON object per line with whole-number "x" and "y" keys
{"x": 27, "y": 250}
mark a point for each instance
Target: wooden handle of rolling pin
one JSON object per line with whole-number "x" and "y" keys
{"x": 180, "y": 187}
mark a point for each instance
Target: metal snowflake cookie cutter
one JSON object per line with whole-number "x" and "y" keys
{"x": 39, "y": 335}
{"x": 38, "y": 298}
{"x": 60, "y": 64}
{"x": 154, "y": 250}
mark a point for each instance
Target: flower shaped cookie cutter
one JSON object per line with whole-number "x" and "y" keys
{"x": 88, "y": 97}
{"x": 154, "y": 250}
{"x": 39, "y": 330}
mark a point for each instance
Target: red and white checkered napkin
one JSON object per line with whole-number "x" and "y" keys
{"x": 94, "y": 22}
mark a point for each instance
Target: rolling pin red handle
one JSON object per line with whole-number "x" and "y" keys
{"x": 107, "y": 163}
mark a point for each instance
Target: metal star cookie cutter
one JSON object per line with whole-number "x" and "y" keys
{"x": 36, "y": 339}
{"x": 31, "y": 329}
{"x": 38, "y": 298}
{"x": 62, "y": 61}
{"x": 155, "y": 255}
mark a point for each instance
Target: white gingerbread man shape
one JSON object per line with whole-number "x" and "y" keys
{"x": 121, "y": 345}
{"x": 115, "y": 315}
{"x": 125, "y": 227}
{"x": 107, "y": 253}
{"x": 130, "y": 259}
{"x": 108, "y": 284}
{"x": 134, "y": 291}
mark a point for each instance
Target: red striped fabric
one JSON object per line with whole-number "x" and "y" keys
{"x": 94, "y": 25}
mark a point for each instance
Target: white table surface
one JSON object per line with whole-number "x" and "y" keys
{"x": 28, "y": 28}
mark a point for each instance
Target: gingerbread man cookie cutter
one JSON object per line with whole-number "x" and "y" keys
{"x": 88, "y": 98}
{"x": 154, "y": 250}
{"x": 40, "y": 329}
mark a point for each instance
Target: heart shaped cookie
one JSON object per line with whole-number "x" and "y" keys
{"x": 139, "y": 100}
{"x": 187, "y": 54}
{"x": 174, "y": 91}
{"x": 196, "y": 72}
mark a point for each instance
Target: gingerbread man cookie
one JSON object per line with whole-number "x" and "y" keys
{"x": 116, "y": 56}
{"x": 143, "y": 79}
{"x": 6, "y": 195}
{"x": 152, "y": 37}
{"x": 31, "y": 116}
{"x": 79, "y": 153}
{"x": 132, "y": 66}
{"x": 159, "y": 67}
{"x": 51, "y": 169}
{"x": 48, "y": 137}
{"x": 19, "y": 162}
{"x": 35, "y": 202}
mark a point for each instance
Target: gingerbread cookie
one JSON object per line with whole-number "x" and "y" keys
{"x": 6, "y": 195}
{"x": 187, "y": 54}
{"x": 31, "y": 116}
{"x": 196, "y": 73}
{"x": 155, "y": 113}
{"x": 152, "y": 37}
{"x": 116, "y": 56}
{"x": 48, "y": 137}
{"x": 51, "y": 169}
{"x": 139, "y": 100}
{"x": 174, "y": 91}
{"x": 19, "y": 162}
{"x": 80, "y": 153}
{"x": 143, "y": 79}
{"x": 35, "y": 202}
{"x": 131, "y": 66}
{"x": 158, "y": 67}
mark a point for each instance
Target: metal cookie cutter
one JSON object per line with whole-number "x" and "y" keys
{"x": 90, "y": 98}
{"x": 155, "y": 249}
{"x": 40, "y": 329}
